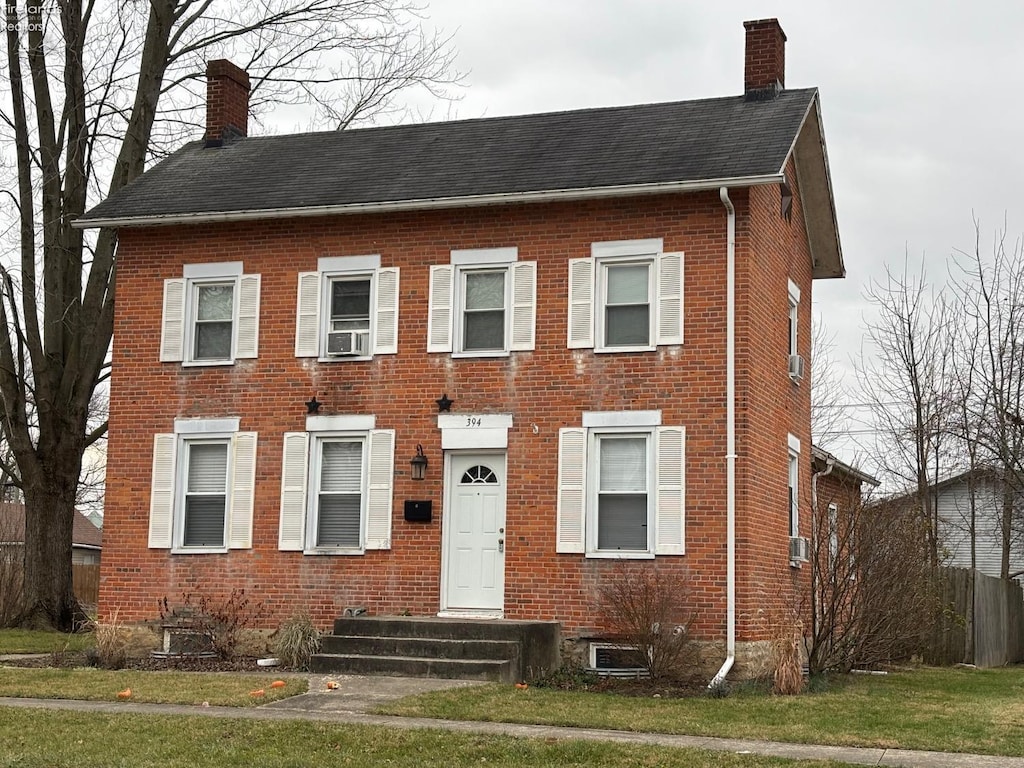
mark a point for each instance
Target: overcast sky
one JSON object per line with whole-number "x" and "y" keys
{"x": 920, "y": 101}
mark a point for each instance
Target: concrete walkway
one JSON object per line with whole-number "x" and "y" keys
{"x": 350, "y": 702}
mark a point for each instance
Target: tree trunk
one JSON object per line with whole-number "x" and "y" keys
{"x": 49, "y": 598}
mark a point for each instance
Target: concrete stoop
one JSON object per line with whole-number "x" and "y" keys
{"x": 464, "y": 649}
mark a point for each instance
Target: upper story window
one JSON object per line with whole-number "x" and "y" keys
{"x": 482, "y": 304}
{"x": 347, "y": 309}
{"x": 203, "y": 486}
{"x": 621, "y": 486}
{"x": 336, "y": 486}
{"x": 796, "y": 362}
{"x": 627, "y": 297}
{"x": 210, "y": 315}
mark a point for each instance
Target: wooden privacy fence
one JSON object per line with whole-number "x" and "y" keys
{"x": 982, "y": 620}
{"x": 86, "y": 580}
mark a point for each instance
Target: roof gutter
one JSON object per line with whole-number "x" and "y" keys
{"x": 730, "y": 441}
{"x": 503, "y": 198}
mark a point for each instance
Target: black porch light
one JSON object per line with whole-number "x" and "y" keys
{"x": 419, "y": 464}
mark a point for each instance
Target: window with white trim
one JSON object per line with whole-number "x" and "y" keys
{"x": 627, "y": 297}
{"x": 347, "y": 309}
{"x": 336, "y": 486}
{"x": 833, "y": 534}
{"x": 793, "y": 484}
{"x": 621, "y": 486}
{"x": 795, "y": 362}
{"x": 203, "y": 485}
{"x": 210, "y": 315}
{"x": 482, "y": 304}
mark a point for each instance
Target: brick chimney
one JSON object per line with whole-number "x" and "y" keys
{"x": 764, "y": 68}
{"x": 227, "y": 102}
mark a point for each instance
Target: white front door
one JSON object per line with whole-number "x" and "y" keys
{"x": 474, "y": 534}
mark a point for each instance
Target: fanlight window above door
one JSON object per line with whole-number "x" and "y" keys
{"x": 478, "y": 474}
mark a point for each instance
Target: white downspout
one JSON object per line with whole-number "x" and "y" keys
{"x": 730, "y": 441}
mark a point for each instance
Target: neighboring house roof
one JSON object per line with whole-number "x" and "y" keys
{"x": 12, "y": 528}
{"x": 823, "y": 458}
{"x": 615, "y": 151}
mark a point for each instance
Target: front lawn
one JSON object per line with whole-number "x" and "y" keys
{"x": 36, "y": 641}
{"x": 217, "y": 689}
{"x": 949, "y": 710}
{"x": 40, "y": 739}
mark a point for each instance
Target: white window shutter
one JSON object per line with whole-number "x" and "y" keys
{"x": 439, "y": 316}
{"x": 670, "y": 298}
{"x": 172, "y": 329}
{"x": 572, "y": 485}
{"x": 524, "y": 304}
{"x": 307, "y": 320}
{"x": 294, "y": 462}
{"x": 381, "y": 446}
{"x": 581, "y": 303}
{"x": 669, "y": 511}
{"x": 386, "y": 330}
{"x": 161, "y": 501}
{"x": 243, "y": 490}
{"x": 247, "y": 340}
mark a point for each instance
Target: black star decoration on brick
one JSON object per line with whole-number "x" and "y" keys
{"x": 443, "y": 403}
{"x": 313, "y": 406}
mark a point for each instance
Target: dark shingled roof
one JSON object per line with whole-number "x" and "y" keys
{"x": 687, "y": 141}
{"x": 12, "y": 527}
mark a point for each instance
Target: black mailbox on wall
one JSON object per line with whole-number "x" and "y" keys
{"x": 418, "y": 511}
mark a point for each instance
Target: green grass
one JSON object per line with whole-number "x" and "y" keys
{"x": 36, "y": 641}
{"x": 950, "y": 710}
{"x": 227, "y": 690}
{"x": 37, "y": 738}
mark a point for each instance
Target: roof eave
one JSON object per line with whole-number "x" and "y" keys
{"x": 505, "y": 198}
{"x": 815, "y": 185}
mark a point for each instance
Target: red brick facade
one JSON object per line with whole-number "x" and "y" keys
{"x": 545, "y": 389}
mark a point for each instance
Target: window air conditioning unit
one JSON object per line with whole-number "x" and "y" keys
{"x": 796, "y": 367}
{"x": 799, "y": 548}
{"x": 347, "y": 343}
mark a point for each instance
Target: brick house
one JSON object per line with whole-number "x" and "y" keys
{"x": 306, "y": 324}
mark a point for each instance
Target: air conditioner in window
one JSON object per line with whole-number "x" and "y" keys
{"x": 347, "y": 343}
{"x": 796, "y": 367}
{"x": 799, "y": 548}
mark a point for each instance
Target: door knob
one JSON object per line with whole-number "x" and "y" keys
{"x": 501, "y": 545}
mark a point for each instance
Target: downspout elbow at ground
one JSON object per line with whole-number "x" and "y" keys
{"x": 730, "y": 440}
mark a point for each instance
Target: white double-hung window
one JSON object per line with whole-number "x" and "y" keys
{"x": 347, "y": 309}
{"x": 482, "y": 304}
{"x": 203, "y": 486}
{"x": 210, "y": 315}
{"x": 336, "y": 486}
{"x": 627, "y": 297}
{"x": 621, "y": 486}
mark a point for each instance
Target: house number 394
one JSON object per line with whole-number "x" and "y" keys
{"x": 474, "y": 421}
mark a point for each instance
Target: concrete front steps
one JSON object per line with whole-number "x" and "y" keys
{"x": 467, "y": 649}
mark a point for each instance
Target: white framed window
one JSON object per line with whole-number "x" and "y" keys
{"x": 482, "y": 304}
{"x": 336, "y": 487}
{"x": 621, "y": 486}
{"x": 796, "y": 363}
{"x": 793, "y": 484}
{"x": 347, "y": 309}
{"x": 210, "y": 315}
{"x": 203, "y": 486}
{"x": 833, "y": 534}
{"x": 627, "y": 297}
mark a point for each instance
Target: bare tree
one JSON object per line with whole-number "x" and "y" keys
{"x": 907, "y": 384}
{"x": 828, "y": 395}
{"x": 90, "y": 92}
{"x": 990, "y": 298}
{"x": 874, "y": 588}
